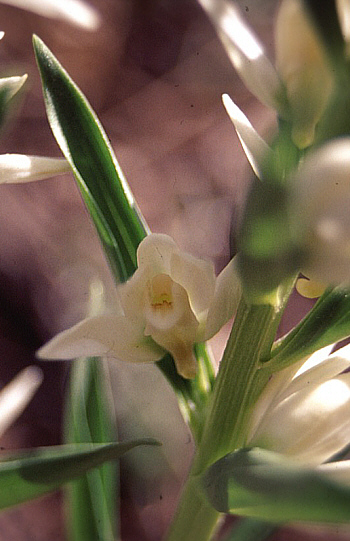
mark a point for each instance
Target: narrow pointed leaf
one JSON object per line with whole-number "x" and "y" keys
{"x": 92, "y": 499}
{"x": 327, "y": 323}
{"x": 262, "y": 484}
{"x": 32, "y": 473}
{"x": 100, "y": 179}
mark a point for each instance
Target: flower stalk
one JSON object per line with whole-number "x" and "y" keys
{"x": 229, "y": 408}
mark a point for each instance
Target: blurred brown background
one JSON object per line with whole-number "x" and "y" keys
{"x": 154, "y": 72}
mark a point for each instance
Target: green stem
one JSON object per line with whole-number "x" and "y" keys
{"x": 226, "y": 421}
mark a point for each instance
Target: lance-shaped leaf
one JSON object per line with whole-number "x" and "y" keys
{"x": 32, "y": 473}
{"x": 100, "y": 179}
{"x": 327, "y": 323}
{"x": 262, "y": 484}
{"x": 92, "y": 499}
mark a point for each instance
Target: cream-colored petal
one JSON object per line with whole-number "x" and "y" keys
{"x": 245, "y": 52}
{"x": 319, "y": 211}
{"x": 75, "y": 12}
{"x": 111, "y": 336}
{"x": 321, "y": 372}
{"x": 174, "y": 327}
{"x": 281, "y": 385}
{"x": 253, "y": 145}
{"x": 310, "y": 425}
{"x": 337, "y": 471}
{"x": 343, "y": 7}
{"x": 196, "y": 276}
{"x": 132, "y": 293}
{"x": 155, "y": 252}
{"x": 16, "y": 395}
{"x": 227, "y": 295}
{"x": 19, "y": 168}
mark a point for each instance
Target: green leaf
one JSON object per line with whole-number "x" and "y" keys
{"x": 327, "y": 322}
{"x": 100, "y": 179}
{"x": 92, "y": 501}
{"x": 265, "y": 485}
{"x": 29, "y": 474}
{"x": 106, "y": 195}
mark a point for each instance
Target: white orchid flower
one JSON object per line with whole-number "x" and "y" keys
{"x": 75, "y": 12}
{"x": 303, "y": 412}
{"x": 172, "y": 301}
{"x": 15, "y": 396}
{"x": 302, "y": 82}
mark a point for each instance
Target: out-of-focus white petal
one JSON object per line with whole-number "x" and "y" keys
{"x": 310, "y": 425}
{"x": 12, "y": 85}
{"x": 245, "y": 52}
{"x": 196, "y": 276}
{"x": 253, "y": 145}
{"x": 343, "y": 7}
{"x": 16, "y": 395}
{"x": 108, "y": 335}
{"x": 303, "y": 67}
{"x": 225, "y": 301}
{"x": 20, "y": 168}
{"x": 319, "y": 211}
{"x": 337, "y": 471}
{"x": 73, "y": 11}
{"x": 282, "y": 384}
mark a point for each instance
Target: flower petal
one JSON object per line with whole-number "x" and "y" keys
{"x": 253, "y": 145}
{"x": 310, "y": 425}
{"x": 174, "y": 327}
{"x": 196, "y": 276}
{"x": 225, "y": 301}
{"x": 21, "y": 168}
{"x": 319, "y": 211}
{"x": 278, "y": 387}
{"x": 16, "y": 395}
{"x": 337, "y": 471}
{"x": 73, "y": 11}
{"x": 303, "y": 68}
{"x": 246, "y": 52}
{"x": 155, "y": 252}
{"x": 111, "y": 336}
{"x": 325, "y": 370}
